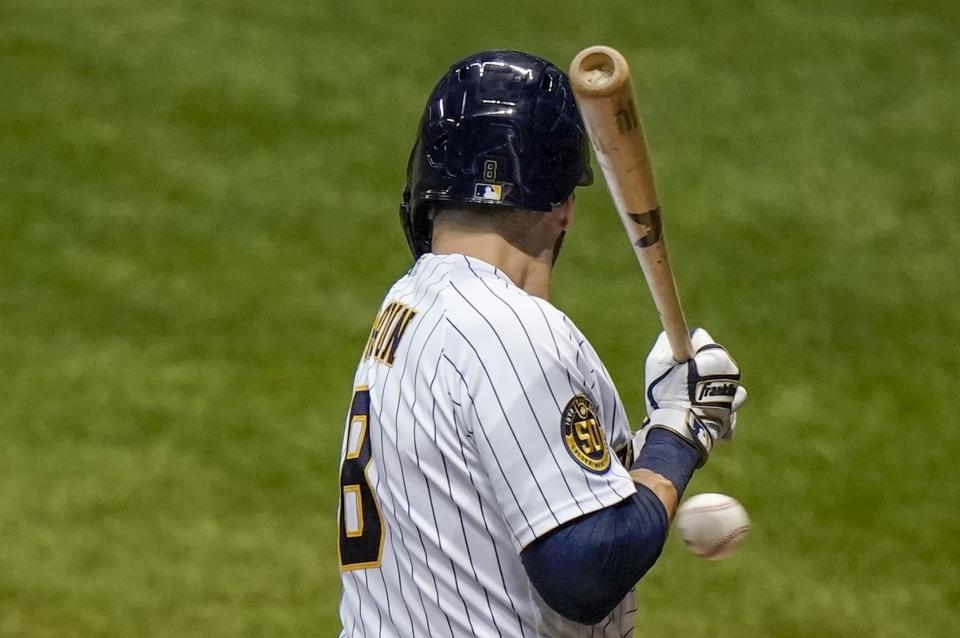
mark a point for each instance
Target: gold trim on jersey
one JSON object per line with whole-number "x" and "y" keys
{"x": 358, "y": 531}
{"x": 351, "y": 454}
{"x": 354, "y": 452}
{"x": 388, "y": 329}
{"x": 383, "y": 531}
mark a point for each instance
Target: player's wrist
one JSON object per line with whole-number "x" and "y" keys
{"x": 669, "y": 455}
{"x": 685, "y": 424}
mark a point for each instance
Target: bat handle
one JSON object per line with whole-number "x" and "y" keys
{"x": 680, "y": 343}
{"x": 655, "y": 263}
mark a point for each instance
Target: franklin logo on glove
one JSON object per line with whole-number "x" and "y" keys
{"x": 717, "y": 389}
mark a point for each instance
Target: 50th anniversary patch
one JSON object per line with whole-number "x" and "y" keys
{"x": 584, "y": 436}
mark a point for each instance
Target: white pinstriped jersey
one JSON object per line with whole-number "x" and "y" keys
{"x": 481, "y": 419}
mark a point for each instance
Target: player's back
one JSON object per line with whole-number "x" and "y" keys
{"x": 445, "y": 453}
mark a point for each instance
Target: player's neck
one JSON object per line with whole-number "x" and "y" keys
{"x": 532, "y": 273}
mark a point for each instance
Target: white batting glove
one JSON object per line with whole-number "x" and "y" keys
{"x": 697, "y": 399}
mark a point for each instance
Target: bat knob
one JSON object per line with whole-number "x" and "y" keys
{"x": 598, "y": 71}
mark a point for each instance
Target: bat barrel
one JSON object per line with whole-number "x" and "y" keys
{"x": 600, "y": 78}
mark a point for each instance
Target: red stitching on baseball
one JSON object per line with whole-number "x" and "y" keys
{"x": 711, "y": 508}
{"x": 720, "y": 544}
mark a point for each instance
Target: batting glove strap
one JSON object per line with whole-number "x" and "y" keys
{"x": 688, "y": 426}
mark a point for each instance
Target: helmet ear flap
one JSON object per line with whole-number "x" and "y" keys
{"x": 586, "y": 176}
{"x": 406, "y": 220}
{"x": 417, "y": 226}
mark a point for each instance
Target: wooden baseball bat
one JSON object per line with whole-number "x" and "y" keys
{"x": 601, "y": 84}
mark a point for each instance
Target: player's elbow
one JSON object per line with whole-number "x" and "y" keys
{"x": 583, "y": 602}
{"x": 575, "y": 596}
{"x": 585, "y": 568}
{"x": 586, "y": 582}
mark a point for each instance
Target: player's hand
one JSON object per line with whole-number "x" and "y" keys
{"x": 697, "y": 399}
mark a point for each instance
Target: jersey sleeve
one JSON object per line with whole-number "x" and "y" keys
{"x": 530, "y": 414}
{"x": 598, "y": 380}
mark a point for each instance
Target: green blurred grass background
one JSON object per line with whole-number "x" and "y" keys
{"x": 198, "y": 219}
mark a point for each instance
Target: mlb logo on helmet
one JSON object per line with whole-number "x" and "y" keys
{"x": 490, "y": 192}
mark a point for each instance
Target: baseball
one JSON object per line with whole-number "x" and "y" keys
{"x": 712, "y": 525}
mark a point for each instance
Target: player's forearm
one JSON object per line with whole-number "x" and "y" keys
{"x": 665, "y": 465}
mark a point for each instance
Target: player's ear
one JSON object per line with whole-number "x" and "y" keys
{"x": 565, "y": 211}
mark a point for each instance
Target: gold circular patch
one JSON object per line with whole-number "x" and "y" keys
{"x": 583, "y": 435}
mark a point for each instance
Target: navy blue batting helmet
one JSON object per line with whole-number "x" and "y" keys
{"x": 501, "y": 128}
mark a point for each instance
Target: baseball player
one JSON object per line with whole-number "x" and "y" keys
{"x": 490, "y": 482}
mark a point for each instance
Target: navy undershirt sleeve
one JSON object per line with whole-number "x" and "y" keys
{"x": 584, "y": 568}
